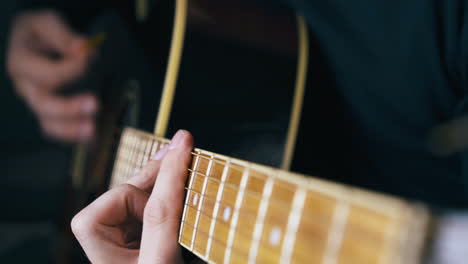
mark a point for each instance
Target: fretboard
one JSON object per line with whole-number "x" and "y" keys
{"x": 240, "y": 212}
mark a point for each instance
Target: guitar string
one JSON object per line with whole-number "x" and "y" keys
{"x": 144, "y": 136}
{"x": 232, "y": 166}
{"x": 320, "y": 222}
{"x": 353, "y": 240}
{"x": 236, "y": 188}
{"x": 233, "y": 248}
{"x": 276, "y": 201}
{"x": 216, "y": 219}
{"x": 248, "y": 213}
{"x": 364, "y": 235}
{"x": 216, "y": 241}
{"x": 318, "y": 218}
{"x": 152, "y": 142}
{"x": 227, "y": 184}
{"x": 282, "y": 205}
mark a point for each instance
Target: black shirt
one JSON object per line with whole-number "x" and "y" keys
{"x": 383, "y": 75}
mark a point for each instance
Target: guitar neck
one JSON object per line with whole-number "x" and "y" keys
{"x": 239, "y": 212}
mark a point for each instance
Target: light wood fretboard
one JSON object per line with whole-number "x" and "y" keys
{"x": 240, "y": 212}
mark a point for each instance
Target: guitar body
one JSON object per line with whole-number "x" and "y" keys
{"x": 235, "y": 93}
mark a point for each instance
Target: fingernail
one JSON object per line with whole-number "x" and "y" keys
{"x": 177, "y": 139}
{"x": 88, "y": 107}
{"x": 160, "y": 153}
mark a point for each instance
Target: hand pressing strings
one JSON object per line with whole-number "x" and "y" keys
{"x": 138, "y": 222}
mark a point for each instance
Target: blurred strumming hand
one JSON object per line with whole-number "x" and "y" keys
{"x": 43, "y": 55}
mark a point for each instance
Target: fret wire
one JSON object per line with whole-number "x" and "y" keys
{"x": 200, "y": 203}
{"x": 141, "y": 150}
{"x": 143, "y": 146}
{"x": 116, "y": 172}
{"x": 126, "y": 157}
{"x": 191, "y": 180}
{"x": 336, "y": 234}
{"x": 245, "y": 235}
{"x": 130, "y": 154}
{"x": 149, "y": 146}
{"x": 218, "y": 221}
{"x": 128, "y": 149}
{"x": 233, "y": 165}
{"x": 154, "y": 148}
{"x": 133, "y": 145}
{"x": 276, "y": 202}
{"x": 272, "y": 171}
{"x": 235, "y": 250}
{"x": 136, "y": 154}
{"x": 235, "y": 215}
{"x": 236, "y": 188}
{"x": 267, "y": 190}
{"x": 216, "y": 208}
{"x": 117, "y": 165}
{"x": 147, "y": 156}
{"x": 294, "y": 220}
{"x": 316, "y": 217}
{"x": 124, "y": 153}
{"x": 215, "y": 240}
{"x": 220, "y": 202}
{"x": 240, "y": 167}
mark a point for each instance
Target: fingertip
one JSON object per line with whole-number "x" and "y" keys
{"x": 188, "y": 138}
{"x": 182, "y": 138}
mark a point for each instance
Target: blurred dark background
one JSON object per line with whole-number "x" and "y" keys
{"x": 33, "y": 172}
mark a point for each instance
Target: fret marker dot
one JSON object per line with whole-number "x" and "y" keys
{"x": 275, "y": 236}
{"x": 226, "y": 213}
{"x": 195, "y": 199}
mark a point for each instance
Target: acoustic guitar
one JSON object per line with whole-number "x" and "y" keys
{"x": 242, "y": 212}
